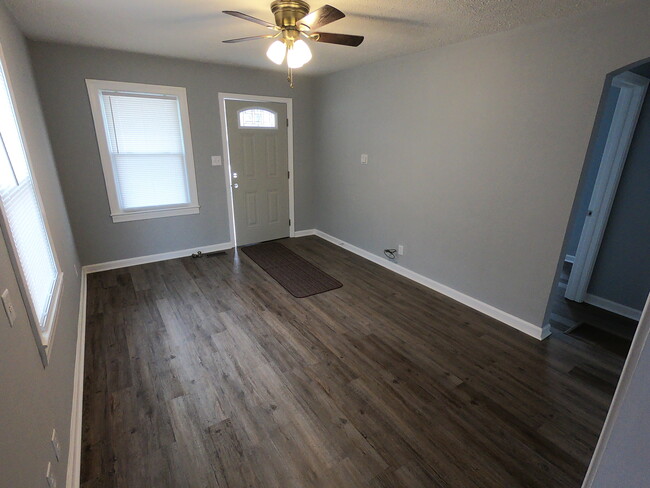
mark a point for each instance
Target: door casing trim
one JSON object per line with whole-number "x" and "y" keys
{"x": 226, "y": 154}
{"x": 633, "y": 89}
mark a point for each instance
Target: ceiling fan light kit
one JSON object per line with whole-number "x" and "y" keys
{"x": 277, "y": 51}
{"x": 293, "y": 23}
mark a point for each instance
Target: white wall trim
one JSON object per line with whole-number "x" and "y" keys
{"x": 631, "y": 363}
{"x": 153, "y": 258}
{"x": 617, "y": 308}
{"x": 95, "y": 89}
{"x": 498, "y": 314}
{"x": 226, "y": 154}
{"x": 44, "y": 338}
{"x": 74, "y": 448}
{"x": 155, "y": 214}
{"x": 303, "y": 233}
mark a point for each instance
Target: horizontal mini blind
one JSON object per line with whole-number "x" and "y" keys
{"x": 23, "y": 215}
{"x": 145, "y": 141}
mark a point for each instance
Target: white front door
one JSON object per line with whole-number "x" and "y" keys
{"x": 259, "y": 162}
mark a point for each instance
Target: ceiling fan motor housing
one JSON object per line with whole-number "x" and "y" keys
{"x": 288, "y": 12}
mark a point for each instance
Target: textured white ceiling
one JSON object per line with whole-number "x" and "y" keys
{"x": 194, "y": 29}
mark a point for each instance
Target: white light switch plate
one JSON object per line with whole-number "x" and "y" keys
{"x": 9, "y": 307}
{"x": 216, "y": 160}
{"x": 364, "y": 159}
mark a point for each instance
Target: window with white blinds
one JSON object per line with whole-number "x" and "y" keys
{"x": 145, "y": 145}
{"x": 23, "y": 220}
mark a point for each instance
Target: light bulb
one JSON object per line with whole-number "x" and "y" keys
{"x": 276, "y": 52}
{"x": 298, "y": 55}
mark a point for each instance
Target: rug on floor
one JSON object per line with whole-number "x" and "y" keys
{"x": 297, "y": 275}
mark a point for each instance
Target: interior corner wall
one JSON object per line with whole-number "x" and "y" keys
{"x": 61, "y": 71}
{"x": 476, "y": 150}
{"x": 33, "y": 399}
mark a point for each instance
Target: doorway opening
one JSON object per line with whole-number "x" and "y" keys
{"x": 603, "y": 276}
{"x": 257, "y": 137}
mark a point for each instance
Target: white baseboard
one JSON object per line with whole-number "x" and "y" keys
{"x": 303, "y": 233}
{"x": 617, "y": 308}
{"x": 153, "y": 258}
{"x": 74, "y": 449}
{"x": 498, "y": 314}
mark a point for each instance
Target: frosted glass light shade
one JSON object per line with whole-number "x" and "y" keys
{"x": 298, "y": 55}
{"x": 276, "y": 52}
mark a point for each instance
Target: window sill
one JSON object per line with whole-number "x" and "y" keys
{"x": 45, "y": 337}
{"x": 154, "y": 214}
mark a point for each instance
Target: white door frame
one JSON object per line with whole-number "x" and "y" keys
{"x": 228, "y": 172}
{"x": 628, "y": 106}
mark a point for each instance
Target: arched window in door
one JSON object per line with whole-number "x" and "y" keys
{"x": 257, "y": 118}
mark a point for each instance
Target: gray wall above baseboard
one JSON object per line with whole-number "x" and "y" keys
{"x": 61, "y": 71}
{"x": 476, "y": 150}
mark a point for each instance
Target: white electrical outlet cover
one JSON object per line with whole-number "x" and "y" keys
{"x": 216, "y": 160}
{"x": 400, "y": 250}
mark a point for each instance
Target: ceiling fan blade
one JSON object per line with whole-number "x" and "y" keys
{"x": 252, "y": 38}
{"x": 342, "y": 39}
{"x": 240, "y": 15}
{"x": 323, "y": 16}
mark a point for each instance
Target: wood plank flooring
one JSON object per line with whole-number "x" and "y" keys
{"x": 207, "y": 373}
{"x": 567, "y": 314}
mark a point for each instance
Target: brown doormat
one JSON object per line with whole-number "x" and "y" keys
{"x": 297, "y": 275}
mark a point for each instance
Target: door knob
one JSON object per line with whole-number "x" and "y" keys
{"x": 235, "y": 185}
{"x": 234, "y": 175}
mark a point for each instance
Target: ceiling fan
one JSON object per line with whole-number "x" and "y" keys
{"x": 292, "y": 23}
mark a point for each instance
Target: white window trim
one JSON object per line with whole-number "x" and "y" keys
{"x": 117, "y": 213}
{"x": 44, "y": 337}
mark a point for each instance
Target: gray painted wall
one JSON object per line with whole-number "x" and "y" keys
{"x": 591, "y": 168}
{"x": 622, "y": 270}
{"x": 476, "y": 150}
{"x": 624, "y": 461}
{"x": 61, "y": 71}
{"x": 33, "y": 400}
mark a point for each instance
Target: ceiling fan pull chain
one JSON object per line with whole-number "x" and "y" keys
{"x": 290, "y": 77}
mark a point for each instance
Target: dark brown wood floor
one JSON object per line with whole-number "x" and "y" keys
{"x": 206, "y": 373}
{"x": 566, "y": 315}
